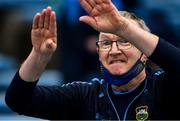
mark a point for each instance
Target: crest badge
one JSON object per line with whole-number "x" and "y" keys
{"x": 141, "y": 113}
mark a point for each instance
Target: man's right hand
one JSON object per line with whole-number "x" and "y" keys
{"x": 44, "y": 32}
{"x": 44, "y": 41}
{"x": 103, "y": 16}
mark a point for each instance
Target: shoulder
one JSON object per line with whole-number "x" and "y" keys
{"x": 153, "y": 70}
{"x": 93, "y": 83}
{"x": 155, "y": 74}
{"x": 77, "y": 84}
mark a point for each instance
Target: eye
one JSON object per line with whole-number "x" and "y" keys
{"x": 106, "y": 42}
{"x": 125, "y": 44}
{"x": 122, "y": 41}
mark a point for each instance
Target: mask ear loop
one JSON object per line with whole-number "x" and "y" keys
{"x": 141, "y": 58}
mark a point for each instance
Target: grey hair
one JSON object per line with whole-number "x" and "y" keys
{"x": 132, "y": 16}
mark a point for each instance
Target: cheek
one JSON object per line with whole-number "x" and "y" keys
{"x": 132, "y": 57}
{"x": 103, "y": 57}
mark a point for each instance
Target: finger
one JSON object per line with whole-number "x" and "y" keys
{"x": 97, "y": 9}
{"x": 41, "y": 20}
{"x": 92, "y": 3}
{"x": 107, "y": 1}
{"x": 47, "y": 17}
{"x": 36, "y": 21}
{"x": 98, "y": 1}
{"x": 88, "y": 8}
{"x": 53, "y": 25}
{"x": 88, "y": 20}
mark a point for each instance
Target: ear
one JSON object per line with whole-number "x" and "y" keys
{"x": 144, "y": 58}
{"x": 97, "y": 50}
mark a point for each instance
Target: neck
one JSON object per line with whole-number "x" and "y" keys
{"x": 133, "y": 83}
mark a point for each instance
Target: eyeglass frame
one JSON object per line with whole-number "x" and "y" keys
{"x": 111, "y": 42}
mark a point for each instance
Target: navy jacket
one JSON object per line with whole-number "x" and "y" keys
{"x": 155, "y": 98}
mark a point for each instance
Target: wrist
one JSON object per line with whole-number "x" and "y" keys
{"x": 39, "y": 57}
{"x": 33, "y": 66}
{"x": 122, "y": 27}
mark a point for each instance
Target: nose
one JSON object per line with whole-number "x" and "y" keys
{"x": 115, "y": 49}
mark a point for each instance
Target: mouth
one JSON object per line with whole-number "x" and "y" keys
{"x": 117, "y": 61}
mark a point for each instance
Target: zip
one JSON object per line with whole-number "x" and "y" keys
{"x": 117, "y": 115}
{"x": 126, "y": 111}
{"x": 125, "y": 114}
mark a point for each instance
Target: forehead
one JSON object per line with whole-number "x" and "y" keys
{"x": 105, "y": 36}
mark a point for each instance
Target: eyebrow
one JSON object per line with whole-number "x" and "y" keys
{"x": 123, "y": 40}
{"x": 103, "y": 37}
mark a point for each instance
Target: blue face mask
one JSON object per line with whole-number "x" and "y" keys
{"x": 126, "y": 77}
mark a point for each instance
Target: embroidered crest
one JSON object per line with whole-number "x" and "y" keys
{"x": 141, "y": 113}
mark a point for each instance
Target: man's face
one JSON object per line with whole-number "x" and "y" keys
{"x": 117, "y": 61}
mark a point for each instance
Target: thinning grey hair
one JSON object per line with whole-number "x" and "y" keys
{"x": 132, "y": 16}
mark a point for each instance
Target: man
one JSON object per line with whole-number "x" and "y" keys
{"x": 128, "y": 90}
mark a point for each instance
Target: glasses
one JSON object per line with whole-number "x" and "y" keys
{"x": 106, "y": 45}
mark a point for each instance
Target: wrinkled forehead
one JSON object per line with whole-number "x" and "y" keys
{"x": 108, "y": 36}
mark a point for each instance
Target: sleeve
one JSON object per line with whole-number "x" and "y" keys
{"x": 50, "y": 102}
{"x": 167, "y": 57}
{"x": 17, "y": 92}
{"x": 167, "y": 88}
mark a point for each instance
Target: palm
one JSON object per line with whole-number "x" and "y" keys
{"x": 104, "y": 16}
{"x": 104, "y": 22}
{"x": 43, "y": 40}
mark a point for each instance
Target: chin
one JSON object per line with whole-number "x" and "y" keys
{"x": 117, "y": 72}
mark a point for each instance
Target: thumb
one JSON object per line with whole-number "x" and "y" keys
{"x": 89, "y": 20}
{"x": 50, "y": 45}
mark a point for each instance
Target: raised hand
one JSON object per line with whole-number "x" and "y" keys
{"x": 104, "y": 16}
{"x": 44, "y": 32}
